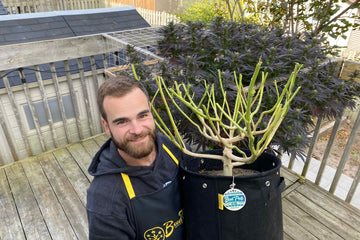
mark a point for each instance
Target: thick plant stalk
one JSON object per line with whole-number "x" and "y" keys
{"x": 225, "y": 125}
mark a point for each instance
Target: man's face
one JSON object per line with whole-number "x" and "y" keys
{"x": 130, "y": 124}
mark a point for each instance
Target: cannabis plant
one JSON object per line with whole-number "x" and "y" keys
{"x": 196, "y": 51}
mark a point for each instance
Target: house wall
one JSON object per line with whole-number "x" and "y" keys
{"x": 352, "y": 51}
{"x": 349, "y": 68}
{"x": 59, "y": 127}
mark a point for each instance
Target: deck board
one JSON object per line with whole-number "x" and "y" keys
{"x": 44, "y": 197}
{"x": 10, "y": 227}
{"x": 70, "y": 202}
{"x": 92, "y": 146}
{"x": 82, "y": 157}
{"x": 57, "y": 223}
{"x": 323, "y": 215}
{"x": 295, "y": 231}
{"x": 313, "y": 226}
{"x": 76, "y": 176}
{"x": 27, "y": 207}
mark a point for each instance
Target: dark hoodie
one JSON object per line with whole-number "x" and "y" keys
{"x": 108, "y": 205}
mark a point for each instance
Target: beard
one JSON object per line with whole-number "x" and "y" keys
{"x": 133, "y": 149}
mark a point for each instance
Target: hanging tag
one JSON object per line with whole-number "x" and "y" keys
{"x": 234, "y": 199}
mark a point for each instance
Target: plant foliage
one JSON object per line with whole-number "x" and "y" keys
{"x": 197, "y": 51}
{"x": 318, "y": 17}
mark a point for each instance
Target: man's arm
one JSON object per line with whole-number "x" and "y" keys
{"x": 108, "y": 227}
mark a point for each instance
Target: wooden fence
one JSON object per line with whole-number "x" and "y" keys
{"x": 154, "y": 18}
{"x": 32, "y": 6}
{"x": 157, "y": 18}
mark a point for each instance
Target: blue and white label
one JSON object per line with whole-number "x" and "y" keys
{"x": 234, "y": 199}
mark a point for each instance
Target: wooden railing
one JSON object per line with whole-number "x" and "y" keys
{"x": 334, "y": 179}
{"x": 32, "y": 6}
{"x": 48, "y": 100}
{"x": 154, "y": 18}
{"x": 67, "y": 71}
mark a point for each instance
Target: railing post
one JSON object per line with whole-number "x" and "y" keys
{"x": 328, "y": 148}
{"x": 312, "y": 146}
{"x": 73, "y": 99}
{"x": 86, "y": 96}
{"x": 353, "y": 187}
{"x": 32, "y": 109}
{"x": 346, "y": 153}
{"x": 8, "y": 137}
{"x": 291, "y": 161}
{"x": 46, "y": 105}
{"x": 17, "y": 114}
{"x": 60, "y": 101}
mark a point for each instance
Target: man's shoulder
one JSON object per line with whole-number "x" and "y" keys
{"x": 106, "y": 195}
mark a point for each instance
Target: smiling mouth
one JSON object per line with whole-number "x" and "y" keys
{"x": 138, "y": 139}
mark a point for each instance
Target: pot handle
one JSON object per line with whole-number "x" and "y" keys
{"x": 282, "y": 184}
{"x": 270, "y": 193}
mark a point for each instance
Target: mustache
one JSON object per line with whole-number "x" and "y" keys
{"x": 137, "y": 137}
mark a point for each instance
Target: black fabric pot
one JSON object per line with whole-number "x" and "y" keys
{"x": 261, "y": 216}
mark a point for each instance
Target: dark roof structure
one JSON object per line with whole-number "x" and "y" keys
{"x": 30, "y": 27}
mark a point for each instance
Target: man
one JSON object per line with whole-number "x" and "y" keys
{"x": 135, "y": 192}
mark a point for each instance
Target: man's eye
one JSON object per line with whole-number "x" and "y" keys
{"x": 143, "y": 116}
{"x": 120, "y": 122}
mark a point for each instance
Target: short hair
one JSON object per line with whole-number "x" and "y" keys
{"x": 117, "y": 86}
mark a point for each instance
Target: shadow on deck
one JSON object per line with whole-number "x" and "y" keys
{"x": 43, "y": 197}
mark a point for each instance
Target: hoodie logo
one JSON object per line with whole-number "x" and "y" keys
{"x": 156, "y": 233}
{"x": 164, "y": 232}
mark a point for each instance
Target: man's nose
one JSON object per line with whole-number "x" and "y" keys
{"x": 135, "y": 128}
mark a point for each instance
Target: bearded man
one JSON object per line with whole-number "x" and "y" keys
{"x": 135, "y": 191}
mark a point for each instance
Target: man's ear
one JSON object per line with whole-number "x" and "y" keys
{"x": 106, "y": 126}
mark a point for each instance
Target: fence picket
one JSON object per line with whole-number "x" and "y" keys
{"x": 46, "y": 106}
{"x": 73, "y": 99}
{"x": 328, "y": 149}
{"x": 345, "y": 155}
{"x": 312, "y": 145}
{"x": 60, "y": 101}
{"x": 8, "y": 138}
{"x": 32, "y": 109}
{"x": 353, "y": 187}
{"x": 15, "y": 108}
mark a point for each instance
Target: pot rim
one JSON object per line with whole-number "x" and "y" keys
{"x": 264, "y": 157}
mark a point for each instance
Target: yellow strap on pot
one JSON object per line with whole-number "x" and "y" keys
{"x": 221, "y": 201}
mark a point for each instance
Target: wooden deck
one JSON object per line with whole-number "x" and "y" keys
{"x": 43, "y": 197}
